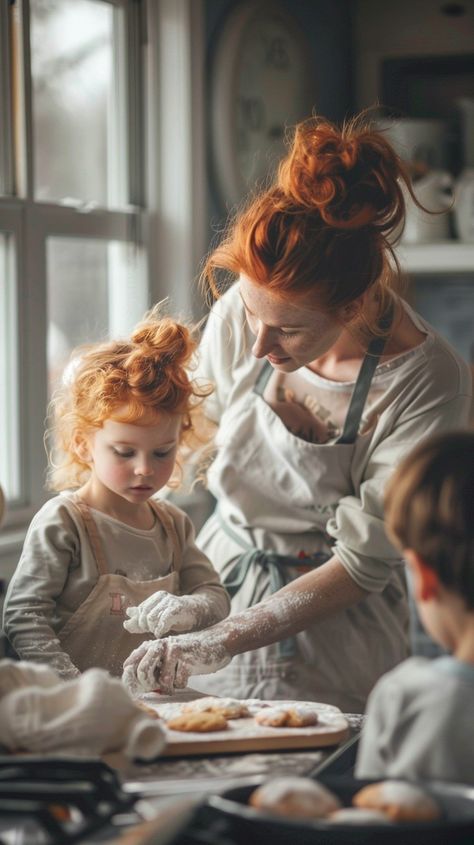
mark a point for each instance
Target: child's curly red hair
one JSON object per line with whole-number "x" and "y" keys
{"x": 130, "y": 381}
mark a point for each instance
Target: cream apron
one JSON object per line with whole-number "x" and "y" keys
{"x": 337, "y": 660}
{"x": 94, "y": 635}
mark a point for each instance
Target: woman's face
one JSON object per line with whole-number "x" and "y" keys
{"x": 289, "y": 336}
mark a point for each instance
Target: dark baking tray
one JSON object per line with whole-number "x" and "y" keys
{"x": 456, "y": 827}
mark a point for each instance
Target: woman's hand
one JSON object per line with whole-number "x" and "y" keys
{"x": 167, "y": 664}
{"x": 164, "y": 613}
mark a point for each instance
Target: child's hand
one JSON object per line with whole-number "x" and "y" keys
{"x": 168, "y": 663}
{"x": 164, "y": 613}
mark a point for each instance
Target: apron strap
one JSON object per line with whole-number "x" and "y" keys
{"x": 170, "y": 530}
{"x": 92, "y": 533}
{"x": 263, "y": 378}
{"x": 364, "y": 380}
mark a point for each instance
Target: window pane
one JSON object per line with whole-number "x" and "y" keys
{"x": 76, "y": 134}
{"x": 95, "y": 290}
{"x": 9, "y": 417}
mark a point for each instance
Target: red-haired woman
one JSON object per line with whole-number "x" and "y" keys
{"x": 325, "y": 378}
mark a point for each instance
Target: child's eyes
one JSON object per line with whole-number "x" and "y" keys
{"x": 121, "y": 454}
{"x": 131, "y": 453}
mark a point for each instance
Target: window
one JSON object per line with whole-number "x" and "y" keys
{"x": 73, "y": 263}
{"x": 102, "y": 190}
{"x": 9, "y": 370}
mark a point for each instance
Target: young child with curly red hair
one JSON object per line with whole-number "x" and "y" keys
{"x": 105, "y": 549}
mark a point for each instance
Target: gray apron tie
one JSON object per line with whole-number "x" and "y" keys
{"x": 275, "y": 563}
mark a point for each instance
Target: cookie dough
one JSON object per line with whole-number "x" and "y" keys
{"x": 198, "y": 722}
{"x": 356, "y": 815}
{"x": 399, "y": 800}
{"x": 293, "y": 716}
{"x": 148, "y": 710}
{"x": 295, "y": 797}
{"x": 231, "y": 708}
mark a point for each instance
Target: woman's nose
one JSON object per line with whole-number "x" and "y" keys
{"x": 263, "y": 342}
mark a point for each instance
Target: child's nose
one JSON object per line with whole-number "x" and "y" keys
{"x": 144, "y": 467}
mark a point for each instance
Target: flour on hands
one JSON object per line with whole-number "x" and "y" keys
{"x": 167, "y": 664}
{"x": 164, "y": 613}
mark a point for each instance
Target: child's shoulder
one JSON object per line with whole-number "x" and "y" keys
{"x": 446, "y": 677}
{"x": 410, "y": 675}
{"x": 60, "y": 509}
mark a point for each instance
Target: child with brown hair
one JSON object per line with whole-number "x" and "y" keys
{"x": 104, "y": 547}
{"x": 419, "y": 715}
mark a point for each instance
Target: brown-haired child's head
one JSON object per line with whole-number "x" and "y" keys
{"x": 130, "y": 381}
{"x": 429, "y": 509}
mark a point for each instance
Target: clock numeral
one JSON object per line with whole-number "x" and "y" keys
{"x": 252, "y": 111}
{"x": 276, "y": 53}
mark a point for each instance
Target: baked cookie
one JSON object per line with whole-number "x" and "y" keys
{"x": 295, "y": 797}
{"x": 148, "y": 710}
{"x": 400, "y": 801}
{"x": 289, "y": 716}
{"x": 198, "y": 722}
{"x": 356, "y": 815}
{"x": 231, "y": 708}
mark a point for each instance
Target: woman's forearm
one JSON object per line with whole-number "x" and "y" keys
{"x": 167, "y": 663}
{"x": 303, "y": 602}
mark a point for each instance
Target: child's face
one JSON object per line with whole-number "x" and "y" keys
{"x": 430, "y": 599}
{"x": 135, "y": 461}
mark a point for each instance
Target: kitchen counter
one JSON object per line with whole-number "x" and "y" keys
{"x": 173, "y": 787}
{"x": 215, "y": 773}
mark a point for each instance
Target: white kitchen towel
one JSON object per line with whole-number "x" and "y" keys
{"x": 89, "y": 715}
{"x": 15, "y": 674}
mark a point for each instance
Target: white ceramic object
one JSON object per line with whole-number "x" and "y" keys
{"x": 466, "y": 104}
{"x": 417, "y": 140}
{"x": 435, "y": 192}
{"x": 464, "y": 206}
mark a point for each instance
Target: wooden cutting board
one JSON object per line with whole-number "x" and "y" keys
{"x": 243, "y": 735}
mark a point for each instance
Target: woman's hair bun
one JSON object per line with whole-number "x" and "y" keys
{"x": 349, "y": 175}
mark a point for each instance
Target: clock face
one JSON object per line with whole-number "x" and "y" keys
{"x": 261, "y": 87}
{"x": 270, "y": 95}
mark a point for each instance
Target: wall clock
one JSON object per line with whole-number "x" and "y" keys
{"x": 261, "y": 85}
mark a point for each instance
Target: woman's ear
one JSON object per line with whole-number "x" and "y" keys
{"x": 425, "y": 580}
{"x": 352, "y": 310}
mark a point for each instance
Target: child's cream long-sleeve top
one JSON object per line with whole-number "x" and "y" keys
{"x": 57, "y": 572}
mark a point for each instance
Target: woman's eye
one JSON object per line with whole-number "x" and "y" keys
{"x": 288, "y": 332}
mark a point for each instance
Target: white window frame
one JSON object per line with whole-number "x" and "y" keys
{"x": 167, "y": 191}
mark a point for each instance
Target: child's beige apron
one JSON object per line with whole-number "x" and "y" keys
{"x": 94, "y": 635}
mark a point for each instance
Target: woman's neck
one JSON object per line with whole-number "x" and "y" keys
{"x": 342, "y": 362}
